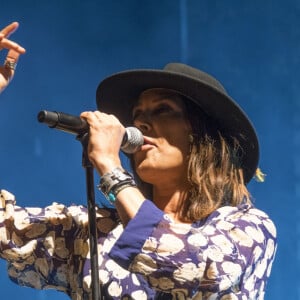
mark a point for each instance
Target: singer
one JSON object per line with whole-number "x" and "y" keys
{"x": 183, "y": 227}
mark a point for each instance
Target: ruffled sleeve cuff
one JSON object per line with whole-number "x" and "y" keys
{"x": 135, "y": 234}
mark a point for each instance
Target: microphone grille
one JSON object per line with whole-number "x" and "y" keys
{"x": 134, "y": 140}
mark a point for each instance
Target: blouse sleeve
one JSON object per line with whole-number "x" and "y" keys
{"x": 229, "y": 254}
{"x": 46, "y": 248}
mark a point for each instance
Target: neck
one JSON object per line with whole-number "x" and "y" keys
{"x": 170, "y": 198}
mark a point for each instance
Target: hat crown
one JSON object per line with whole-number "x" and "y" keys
{"x": 117, "y": 94}
{"x": 196, "y": 74}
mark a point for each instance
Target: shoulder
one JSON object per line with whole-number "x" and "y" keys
{"x": 241, "y": 220}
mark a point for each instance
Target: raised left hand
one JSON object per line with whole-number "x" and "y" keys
{"x": 7, "y": 70}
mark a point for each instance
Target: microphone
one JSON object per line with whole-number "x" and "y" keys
{"x": 132, "y": 141}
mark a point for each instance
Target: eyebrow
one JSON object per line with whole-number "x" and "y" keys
{"x": 157, "y": 98}
{"x": 137, "y": 109}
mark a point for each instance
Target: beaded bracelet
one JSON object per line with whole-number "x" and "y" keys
{"x": 113, "y": 182}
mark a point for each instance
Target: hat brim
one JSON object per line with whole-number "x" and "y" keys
{"x": 117, "y": 94}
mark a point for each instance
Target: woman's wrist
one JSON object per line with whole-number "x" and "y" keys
{"x": 107, "y": 165}
{"x": 114, "y": 181}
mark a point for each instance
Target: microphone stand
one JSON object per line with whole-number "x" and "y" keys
{"x": 93, "y": 238}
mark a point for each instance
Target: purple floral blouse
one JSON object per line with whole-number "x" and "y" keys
{"x": 227, "y": 256}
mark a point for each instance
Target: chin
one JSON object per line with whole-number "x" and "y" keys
{"x": 145, "y": 172}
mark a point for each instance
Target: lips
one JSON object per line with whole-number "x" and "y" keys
{"x": 148, "y": 143}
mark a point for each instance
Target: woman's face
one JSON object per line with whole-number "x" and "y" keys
{"x": 165, "y": 127}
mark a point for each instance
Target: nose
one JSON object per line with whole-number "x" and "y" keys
{"x": 143, "y": 123}
{"x": 143, "y": 126}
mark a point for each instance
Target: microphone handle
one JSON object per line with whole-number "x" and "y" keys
{"x": 132, "y": 141}
{"x": 64, "y": 122}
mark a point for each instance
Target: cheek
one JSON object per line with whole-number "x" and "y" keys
{"x": 176, "y": 154}
{"x": 172, "y": 146}
{"x": 179, "y": 141}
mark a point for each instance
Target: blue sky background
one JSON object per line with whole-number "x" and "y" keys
{"x": 252, "y": 47}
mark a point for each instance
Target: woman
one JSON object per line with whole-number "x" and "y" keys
{"x": 197, "y": 237}
{"x": 14, "y": 50}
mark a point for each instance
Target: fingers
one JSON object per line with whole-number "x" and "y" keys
{"x": 97, "y": 118}
{"x": 87, "y": 115}
{"x": 96, "y": 115}
{"x": 90, "y": 117}
{"x": 7, "y": 70}
{"x": 105, "y": 138}
{"x": 10, "y": 64}
{"x": 8, "y": 44}
{"x": 9, "y": 29}
{"x": 103, "y": 123}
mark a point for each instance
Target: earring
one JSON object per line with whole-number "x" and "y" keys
{"x": 191, "y": 138}
{"x": 191, "y": 141}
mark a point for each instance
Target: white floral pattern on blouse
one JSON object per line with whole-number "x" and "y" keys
{"x": 227, "y": 256}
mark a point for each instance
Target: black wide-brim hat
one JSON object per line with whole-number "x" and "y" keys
{"x": 117, "y": 94}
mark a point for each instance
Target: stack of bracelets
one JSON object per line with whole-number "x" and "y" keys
{"x": 113, "y": 182}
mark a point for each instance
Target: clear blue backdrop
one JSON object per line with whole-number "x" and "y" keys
{"x": 253, "y": 47}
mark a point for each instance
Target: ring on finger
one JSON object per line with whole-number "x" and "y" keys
{"x": 8, "y": 64}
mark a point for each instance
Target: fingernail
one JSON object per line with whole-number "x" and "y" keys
{"x": 22, "y": 49}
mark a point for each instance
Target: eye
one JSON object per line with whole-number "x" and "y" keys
{"x": 162, "y": 109}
